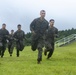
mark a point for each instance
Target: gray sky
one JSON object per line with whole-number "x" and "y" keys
{"x": 14, "y": 12}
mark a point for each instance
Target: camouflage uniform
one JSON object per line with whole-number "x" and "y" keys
{"x": 11, "y": 44}
{"x": 51, "y": 33}
{"x": 0, "y": 44}
{"x": 19, "y": 36}
{"x": 39, "y": 27}
{"x": 3, "y": 35}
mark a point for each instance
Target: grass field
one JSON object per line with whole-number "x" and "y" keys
{"x": 63, "y": 62}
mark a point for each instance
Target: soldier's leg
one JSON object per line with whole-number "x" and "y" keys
{"x": 39, "y": 54}
{"x": 17, "y": 49}
{"x": 17, "y": 53}
{"x": 3, "y": 49}
{"x": 0, "y": 51}
{"x": 51, "y": 51}
{"x": 40, "y": 46}
{"x": 11, "y": 49}
{"x": 45, "y": 51}
{"x": 34, "y": 44}
{"x": 47, "y": 48}
{"x": 22, "y": 45}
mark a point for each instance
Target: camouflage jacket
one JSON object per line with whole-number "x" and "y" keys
{"x": 39, "y": 26}
{"x": 19, "y": 35}
{"x": 51, "y": 33}
{"x": 3, "y": 34}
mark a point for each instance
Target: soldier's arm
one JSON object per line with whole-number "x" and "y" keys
{"x": 24, "y": 35}
{"x": 7, "y": 35}
{"x": 56, "y": 33}
{"x": 45, "y": 36}
{"x": 7, "y": 32}
{"x": 32, "y": 25}
{"x": 15, "y": 37}
{"x": 47, "y": 25}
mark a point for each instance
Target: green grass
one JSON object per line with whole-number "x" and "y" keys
{"x": 63, "y": 62}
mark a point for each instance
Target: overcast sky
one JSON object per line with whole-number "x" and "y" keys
{"x": 14, "y": 12}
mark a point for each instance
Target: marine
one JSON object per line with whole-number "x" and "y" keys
{"x": 51, "y": 34}
{"x": 38, "y": 28}
{"x": 19, "y": 35}
{"x": 3, "y": 39}
{"x": 11, "y": 42}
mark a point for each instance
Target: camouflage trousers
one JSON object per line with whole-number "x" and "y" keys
{"x": 49, "y": 47}
{"x": 11, "y": 47}
{"x": 2, "y": 49}
{"x": 19, "y": 46}
{"x": 37, "y": 43}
